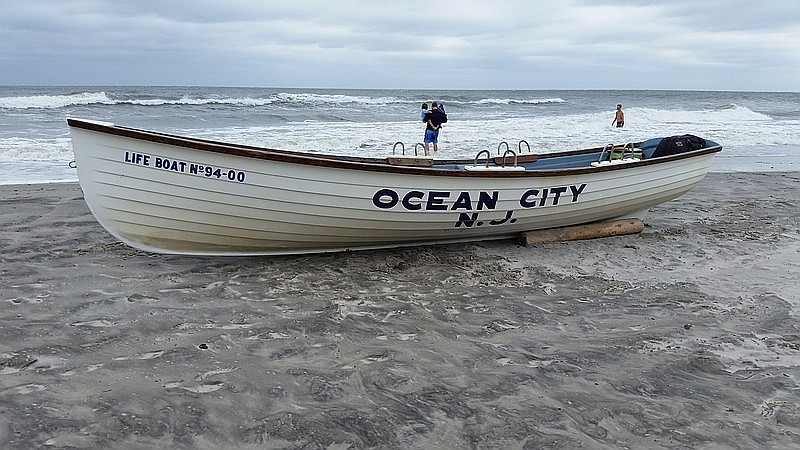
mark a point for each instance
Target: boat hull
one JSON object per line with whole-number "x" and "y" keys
{"x": 163, "y": 194}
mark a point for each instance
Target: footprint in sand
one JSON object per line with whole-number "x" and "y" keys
{"x": 385, "y": 356}
{"x": 500, "y": 326}
{"x": 25, "y": 389}
{"x": 199, "y": 384}
{"x": 95, "y": 324}
{"x": 396, "y": 335}
{"x": 203, "y": 387}
{"x": 17, "y": 364}
{"x": 147, "y": 355}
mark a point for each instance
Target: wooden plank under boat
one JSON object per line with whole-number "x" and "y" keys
{"x": 171, "y": 194}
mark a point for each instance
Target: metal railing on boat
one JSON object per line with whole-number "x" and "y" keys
{"x": 500, "y": 167}
{"x": 612, "y": 154}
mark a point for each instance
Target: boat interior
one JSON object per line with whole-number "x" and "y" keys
{"x": 524, "y": 159}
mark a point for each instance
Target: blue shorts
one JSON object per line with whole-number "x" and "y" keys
{"x": 431, "y": 136}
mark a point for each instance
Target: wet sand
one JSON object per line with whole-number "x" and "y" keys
{"x": 683, "y": 336}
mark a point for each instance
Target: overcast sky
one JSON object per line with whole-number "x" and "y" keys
{"x": 482, "y": 44}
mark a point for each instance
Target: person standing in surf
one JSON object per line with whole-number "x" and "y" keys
{"x": 433, "y": 121}
{"x": 619, "y": 117}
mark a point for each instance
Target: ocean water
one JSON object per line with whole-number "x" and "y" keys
{"x": 759, "y": 131}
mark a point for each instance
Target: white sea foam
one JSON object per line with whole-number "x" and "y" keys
{"x": 298, "y": 98}
{"x": 735, "y": 128}
{"x": 738, "y": 127}
{"x": 15, "y": 149}
{"x": 102, "y": 98}
{"x": 55, "y": 101}
{"x": 510, "y": 101}
{"x": 756, "y": 130}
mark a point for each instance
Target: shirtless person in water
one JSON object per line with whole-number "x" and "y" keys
{"x": 619, "y": 118}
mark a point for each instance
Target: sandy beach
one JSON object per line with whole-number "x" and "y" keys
{"x": 683, "y": 336}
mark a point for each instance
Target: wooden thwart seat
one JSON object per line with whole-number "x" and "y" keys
{"x": 423, "y": 161}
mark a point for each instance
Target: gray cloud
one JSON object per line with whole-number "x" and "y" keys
{"x": 414, "y": 44}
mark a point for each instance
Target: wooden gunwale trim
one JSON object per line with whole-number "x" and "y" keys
{"x": 364, "y": 164}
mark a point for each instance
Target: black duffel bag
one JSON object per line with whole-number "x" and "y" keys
{"x": 678, "y": 144}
